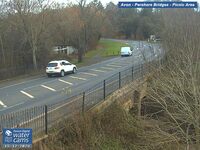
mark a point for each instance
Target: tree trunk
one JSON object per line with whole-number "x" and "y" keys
{"x": 2, "y": 49}
{"x": 34, "y": 49}
{"x": 80, "y": 55}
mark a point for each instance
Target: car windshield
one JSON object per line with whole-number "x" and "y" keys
{"x": 52, "y": 65}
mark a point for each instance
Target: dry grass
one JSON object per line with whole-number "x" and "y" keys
{"x": 113, "y": 129}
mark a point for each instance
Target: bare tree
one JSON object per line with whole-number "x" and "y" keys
{"x": 31, "y": 17}
{"x": 177, "y": 87}
{"x": 2, "y": 9}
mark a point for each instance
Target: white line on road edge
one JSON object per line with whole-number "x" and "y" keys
{"x": 92, "y": 74}
{"x": 114, "y": 65}
{"x": 97, "y": 70}
{"x": 65, "y": 82}
{"x": 2, "y": 104}
{"x": 126, "y": 62}
{"x": 78, "y": 78}
{"x": 49, "y": 88}
{"x": 43, "y": 114}
{"x": 19, "y": 83}
{"x": 108, "y": 68}
{"x": 8, "y": 107}
{"x": 25, "y": 93}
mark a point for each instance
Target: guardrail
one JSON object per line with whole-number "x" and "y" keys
{"x": 42, "y": 118}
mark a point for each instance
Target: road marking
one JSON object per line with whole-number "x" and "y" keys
{"x": 2, "y": 104}
{"x": 117, "y": 64}
{"x": 92, "y": 74}
{"x": 19, "y": 83}
{"x": 78, "y": 78}
{"x": 108, "y": 68}
{"x": 97, "y": 70}
{"x": 43, "y": 114}
{"x": 30, "y": 87}
{"x": 127, "y": 62}
{"x": 65, "y": 81}
{"x": 12, "y": 106}
{"x": 49, "y": 88}
{"x": 27, "y": 94}
{"x": 114, "y": 65}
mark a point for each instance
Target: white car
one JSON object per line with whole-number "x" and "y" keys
{"x": 60, "y": 67}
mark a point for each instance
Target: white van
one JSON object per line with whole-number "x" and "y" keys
{"x": 126, "y": 51}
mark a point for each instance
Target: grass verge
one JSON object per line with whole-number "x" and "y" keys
{"x": 106, "y": 48}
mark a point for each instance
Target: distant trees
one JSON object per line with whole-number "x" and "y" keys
{"x": 23, "y": 25}
{"x": 91, "y": 17}
{"x": 132, "y": 23}
{"x": 30, "y": 28}
{"x": 78, "y": 25}
{"x": 31, "y": 19}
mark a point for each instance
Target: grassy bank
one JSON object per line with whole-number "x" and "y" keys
{"x": 106, "y": 48}
{"x": 113, "y": 129}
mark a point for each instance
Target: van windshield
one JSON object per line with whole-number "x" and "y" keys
{"x": 125, "y": 49}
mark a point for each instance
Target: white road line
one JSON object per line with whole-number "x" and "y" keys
{"x": 125, "y": 62}
{"x": 30, "y": 87}
{"x": 49, "y": 88}
{"x": 65, "y": 82}
{"x": 19, "y": 83}
{"x": 97, "y": 70}
{"x": 117, "y": 64}
{"x": 108, "y": 68}
{"x": 2, "y": 104}
{"x": 114, "y": 65}
{"x": 12, "y": 106}
{"x": 78, "y": 78}
{"x": 92, "y": 74}
{"x": 41, "y": 115}
{"x": 27, "y": 94}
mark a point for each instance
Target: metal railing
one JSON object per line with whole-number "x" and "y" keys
{"x": 42, "y": 118}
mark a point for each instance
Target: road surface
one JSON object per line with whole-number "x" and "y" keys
{"x": 44, "y": 90}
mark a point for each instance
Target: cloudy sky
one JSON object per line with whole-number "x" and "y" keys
{"x": 104, "y": 2}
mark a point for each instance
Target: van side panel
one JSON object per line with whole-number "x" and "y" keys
{"x": 126, "y": 51}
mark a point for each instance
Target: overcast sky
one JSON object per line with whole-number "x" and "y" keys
{"x": 104, "y": 2}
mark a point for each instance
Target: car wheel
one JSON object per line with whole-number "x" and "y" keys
{"x": 74, "y": 70}
{"x": 62, "y": 73}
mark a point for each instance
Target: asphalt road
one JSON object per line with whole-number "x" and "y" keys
{"x": 43, "y": 90}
